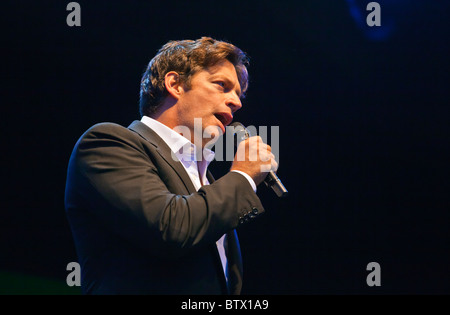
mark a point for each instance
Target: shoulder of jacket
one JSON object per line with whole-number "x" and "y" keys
{"x": 109, "y": 129}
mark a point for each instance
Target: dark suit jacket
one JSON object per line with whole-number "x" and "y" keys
{"x": 139, "y": 225}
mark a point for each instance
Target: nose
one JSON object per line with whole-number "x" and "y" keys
{"x": 234, "y": 102}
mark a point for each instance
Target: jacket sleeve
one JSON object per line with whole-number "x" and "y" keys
{"x": 112, "y": 177}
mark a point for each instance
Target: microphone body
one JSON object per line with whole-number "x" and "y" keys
{"x": 271, "y": 179}
{"x": 275, "y": 183}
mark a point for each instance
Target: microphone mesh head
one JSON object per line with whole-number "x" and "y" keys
{"x": 239, "y": 131}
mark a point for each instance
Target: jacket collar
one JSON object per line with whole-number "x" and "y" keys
{"x": 163, "y": 150}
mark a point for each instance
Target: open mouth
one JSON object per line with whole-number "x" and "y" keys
{"x": 224, "y": 118}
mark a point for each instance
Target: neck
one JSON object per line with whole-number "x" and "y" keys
{"x": 168, "y": 115}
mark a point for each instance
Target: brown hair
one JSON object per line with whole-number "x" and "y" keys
{"x": 187, "y": 57}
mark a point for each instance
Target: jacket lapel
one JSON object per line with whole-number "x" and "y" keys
{"x": 164, "y": 151}
{"x": 232, "y": 247}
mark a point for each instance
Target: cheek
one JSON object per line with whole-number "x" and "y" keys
{"x": 202, "y": 104}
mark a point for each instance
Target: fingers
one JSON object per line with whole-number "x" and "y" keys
{"x": 274, "y": 164}
{"x": 271, "y": 164}
{"x": 258, "y": 151}
{"x": 255, "y": 158}
{"x": 253, "y": 149}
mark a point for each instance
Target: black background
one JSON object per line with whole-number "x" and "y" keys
{"x": 364, "y": 131}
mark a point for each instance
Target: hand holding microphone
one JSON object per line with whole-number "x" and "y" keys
{"x": 255, "y": 158}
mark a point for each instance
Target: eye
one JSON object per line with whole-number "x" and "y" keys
{"x": 220, "y": 83}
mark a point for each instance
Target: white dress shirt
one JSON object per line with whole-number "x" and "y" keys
{"x": 186, "y": 152}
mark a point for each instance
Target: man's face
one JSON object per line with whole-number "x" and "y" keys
{"x": 214, "y": 97}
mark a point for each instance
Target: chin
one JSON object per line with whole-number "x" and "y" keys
{"x": 211, "y": 134}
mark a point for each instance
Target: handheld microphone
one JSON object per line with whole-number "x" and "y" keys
{"x": 272, "y": 179}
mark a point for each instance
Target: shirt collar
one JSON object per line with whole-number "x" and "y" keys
{"x": 181, "y": 146}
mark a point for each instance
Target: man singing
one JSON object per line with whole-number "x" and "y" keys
{"x": 146, "y": 215}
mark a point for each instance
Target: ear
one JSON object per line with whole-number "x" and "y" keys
{"x": 173, "y": 84}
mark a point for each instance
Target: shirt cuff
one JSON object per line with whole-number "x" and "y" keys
{"x": 250, "y": 180}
